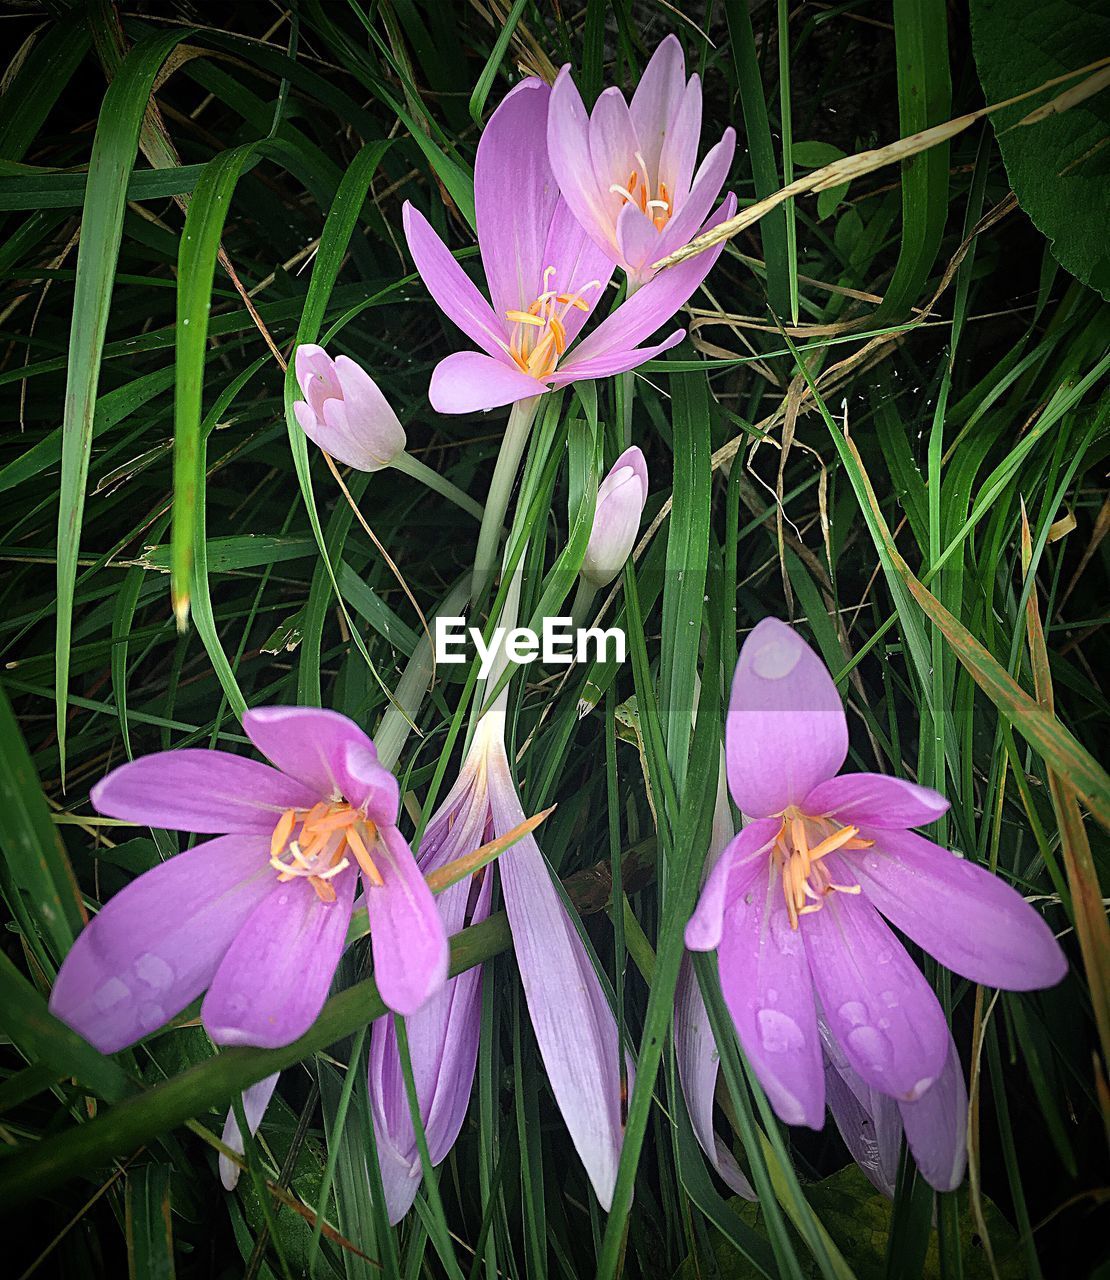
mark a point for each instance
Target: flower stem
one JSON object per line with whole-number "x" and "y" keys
{"x": 410, "y": 466}
{"x": 521, "y": 417}
{"x": 583, "y": 598}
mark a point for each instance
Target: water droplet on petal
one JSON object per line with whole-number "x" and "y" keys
{"x": 871, "y": 1045}
{"x": 777, "y": 658}
{"x": 853, "y": 1013}
{"x": 778, "y": 1032}
{"x": 889, "y": 998}
{"x": 111, "y": 993}
{"x": 771, "y": 995}
{"x": 153, "y": 970}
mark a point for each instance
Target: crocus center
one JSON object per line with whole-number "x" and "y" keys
{"x": 799, "y": 851}
{"x": 538, "y": 336}
{"x": 317, "y": 844}
{"x": 637, "y": 190}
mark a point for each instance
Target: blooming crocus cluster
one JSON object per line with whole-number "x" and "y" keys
{"x": 545, "y": 273}
{"x": 794, "y": 908}
{"x": 573, "y": 1023}
{"x": 627, "y": 169}
{"x": 344, "y": 411}
{"x": 620, "y": 504}
{"x": 257, "y": 917}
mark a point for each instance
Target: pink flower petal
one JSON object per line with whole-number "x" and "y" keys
{"x": 468, "y": 382}
{"x": 613, "y": 147}
{"x": 574, "y": 1026}
{"x": 786, "y": 729}
{"x": 733, "y": 874}
{"x": 273, "y": 980}
{"x": 316, "y": 376}
{"x": 874, "y": 800}
{"x": 878, "y": 1006}
{"x": 648, "y": 308}
{"x": 452, "y": 289}
{"x": 367, "y": 434}
{"x": 657, "y": 98}
{"x": 327, "y": 753}
{"x": 407, "y": 935}
{"x": 582, "y": 270}
{"x": 568, "y": 146}
{"x": 606, "y": 363}
{"x": 767, "y": 986}
{"x": 694, "y": 209}
{"x": 679, "y": 152}
{"x": 936, "y": 1127}
{"x": 971, "y": 921}
{"x": 193, "y": 789}
{"x": 514, "y": 196}
{"x": 639, "y": 241}
{"x": 154, "y": 947}
{"x": 255, "y": 1101}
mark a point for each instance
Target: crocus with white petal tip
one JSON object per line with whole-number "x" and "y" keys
{"x": 620, "y": 504}
{"x": 344, "y": 411}
{"x": 257, "y": 917}
{"x": 545, "y": 276}
{"x": 572, "y": 1020}
{"x": 627, "y": 170}
{"x": 795, "y": 905}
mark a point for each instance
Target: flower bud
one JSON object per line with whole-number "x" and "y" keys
{"x": 344, "y": 412}
{"x": 620, "y": 504}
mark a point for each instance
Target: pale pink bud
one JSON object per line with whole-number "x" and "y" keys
{"x": 620, "y": 504}
{"x": 344, "y": 412}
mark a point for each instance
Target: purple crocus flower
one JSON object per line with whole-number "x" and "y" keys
{"x": 344, "y": 412}
{"x": 872, "y": 1123}
{"x": 572, "y": 1020}
{"x": 795, "y": 905}
{"x": 443, "y": 1033}
{"x": 620, "y": 504}
{"x": 545, "y": 276}
{"x": 257, "y": 917}
{"x": 627, "y": 170}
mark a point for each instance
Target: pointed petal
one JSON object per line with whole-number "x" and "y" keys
{"x": 154, "y": 947}
{"x": 582, "y": 270}
{"x": 327, "y": 753}
{"x": 452, "y": 289}
{"x": 786, "y": 727}
{"x": 374, "y": 434}
{"x": 316, "y": 376}
{"x": 406, "y": 933}
{"x": 613, "y": 147}
{"x": 608, "y": 363}
{"x": 639, "y": 241}
{"x": 767, "y": 986}
{"x": 694, "y": 209}
{"x": 679, "y": 152}
{"x": 568, "y": 146}
{"x": 698, "y": 1061}
{"x": 192, "y": 789}
{"x": 255, "y": 1101}
{"x": 874, "y": 800}
{"x": 574, "y": 1026}
{"x": 657, "y": 98}
{"x": 733, "y": 874}
{"x": 514, "y": 196}
{"x": 651, "y": 306}
{"x": 468, "y": 382}
{"x": 880, "y": 1010}
{"x": 936, "y": 1127}
{"x": 971, "y": 921}
{"x": 273, "y": 981}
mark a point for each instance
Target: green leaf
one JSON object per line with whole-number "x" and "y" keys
{"x": 812, "y": 155}
{"x": 1058, "y": 167}
{"x": 113, "y": 156}
{"x": 148, "y": 1224}
{"x": 36, "y": 861}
